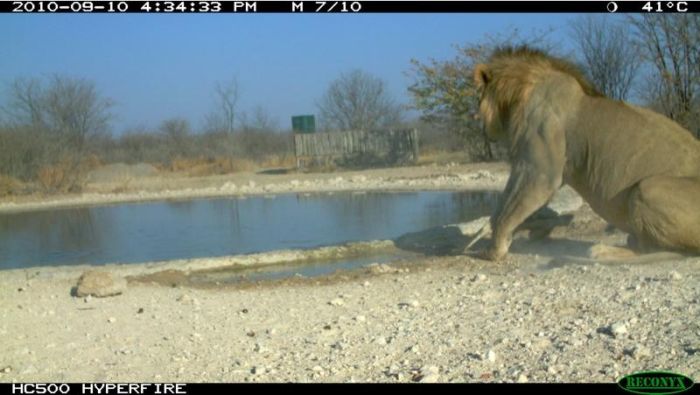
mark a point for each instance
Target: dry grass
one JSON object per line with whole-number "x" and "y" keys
{"x": 202, "y": 166}
{"x": 442, "y": 157}
{"x": 277, "y": 161}
{"x": 209, "y": 166}
{"x": 124, "y": 185}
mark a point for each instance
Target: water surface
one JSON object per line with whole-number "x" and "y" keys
{"x": 157, "y": 231}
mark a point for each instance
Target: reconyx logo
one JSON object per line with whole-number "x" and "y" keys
{"x": 654, "y": 382}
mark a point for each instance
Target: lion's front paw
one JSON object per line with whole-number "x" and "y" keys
{"x": 492, "y": 254}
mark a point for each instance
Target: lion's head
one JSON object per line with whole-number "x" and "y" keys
{"x": 505, "y": 84}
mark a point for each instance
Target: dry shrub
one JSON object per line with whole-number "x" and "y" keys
{"x": 202, "y": 166}
{"x": 320, "y": 165}
{"x": 54, "y": 178}
{"x": 239, "y": 164}
{"x": 9, "y": 186}
{"x": 278, "y": 161}
{"x": 68, "y": 175}
{"x": 211, "y": 166}
{"x": 179, "y": 164}
{"x": 92, "y": 162}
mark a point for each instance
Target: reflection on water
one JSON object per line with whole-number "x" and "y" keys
{"x": 216, "y": 227}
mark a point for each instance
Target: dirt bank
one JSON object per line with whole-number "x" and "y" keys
{"x": 162, "y": 187}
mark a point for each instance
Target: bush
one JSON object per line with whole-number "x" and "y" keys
{"x": 68, "y": 175}
{"x": 9, "y": 186}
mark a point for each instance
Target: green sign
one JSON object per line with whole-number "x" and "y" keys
{"x": 303, "y": 124}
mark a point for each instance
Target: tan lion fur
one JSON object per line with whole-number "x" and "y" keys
{"x": 637, "y": 169}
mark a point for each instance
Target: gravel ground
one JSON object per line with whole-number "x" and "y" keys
{"x": 446, "y": 318}
{"x": 449, "y": 319}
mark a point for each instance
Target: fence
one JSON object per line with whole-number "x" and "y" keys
{"x": 357, "y": 148}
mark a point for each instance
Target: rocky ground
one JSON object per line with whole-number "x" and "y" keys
{"x": 440, "y": 318}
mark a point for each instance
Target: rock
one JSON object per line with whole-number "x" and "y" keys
{"x": 409, "y": 303}
{"x": 430, "y": 378}
{"x": 429, "y": 374}
{"x": 674, "y": 275}
{"x": 259, "y": 348}
{"x": 522, "y": 378}
{"x": 339, "y": 346}
{"x": 618, "y": 329}
{"x": 491, "y": 356}
{"x": 479, "y": 278}
{"x": 336, "y": 302}
{"x": 380, "y": 268}
{"x": 111, "y": 320}
{"x": 100, "y": 284}
{"x": 473, "y": 227}
{"x": 185, "y": 298}
{"x": 640, "y": 352}
{"x": 565, "y": 201}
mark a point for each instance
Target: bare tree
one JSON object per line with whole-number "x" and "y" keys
{"x": 610, "y": 55}
{"x": 227, "y": 95}
{"x": 259, "y": 120}
{"x": 177, "y": 132}
{"x": 75, "y": 110}
{"x": 358, "y": 101}
{"x": 670, "y": 44}
{"x": 25, "y": 105}
{"x": 59, "y": 117}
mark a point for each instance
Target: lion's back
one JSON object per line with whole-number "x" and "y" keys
{"x": 635, "y": 142}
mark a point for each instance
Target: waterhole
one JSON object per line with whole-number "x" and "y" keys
{"x": 167, "y": 230}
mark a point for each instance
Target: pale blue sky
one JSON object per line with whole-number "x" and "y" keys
{"x": 160, "y": 66}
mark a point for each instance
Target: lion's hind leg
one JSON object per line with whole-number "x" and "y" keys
{"x": 664, "y": 212}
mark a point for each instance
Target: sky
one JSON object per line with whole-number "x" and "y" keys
{"x": 156, "y": 67}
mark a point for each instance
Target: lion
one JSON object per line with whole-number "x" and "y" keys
{"x": 637, "y": 169}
